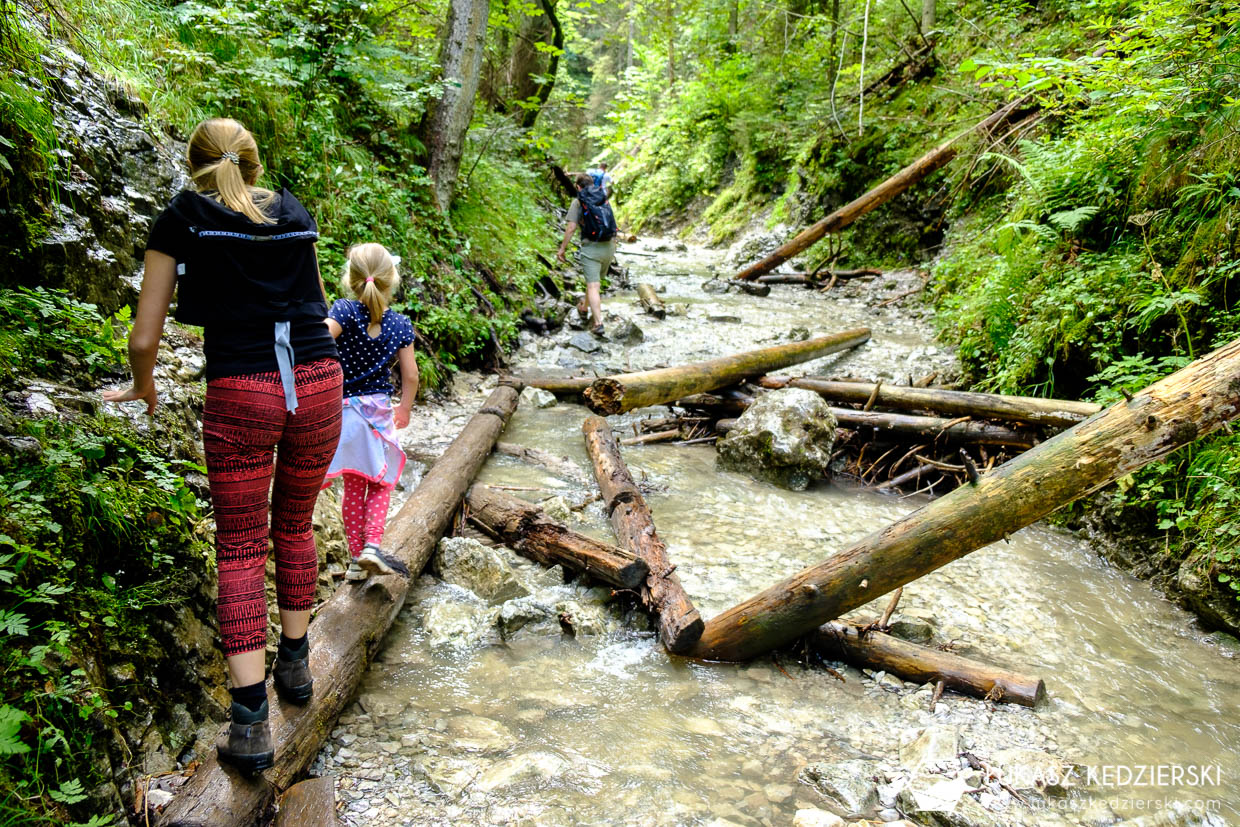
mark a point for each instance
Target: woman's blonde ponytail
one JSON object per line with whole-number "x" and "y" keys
{"x": 371, "y": 274}
{"x": 223, "y": 161}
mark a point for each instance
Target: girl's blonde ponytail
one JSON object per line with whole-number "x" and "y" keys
{"x": 223, "y": 161}
{"x": 371, "y": 274}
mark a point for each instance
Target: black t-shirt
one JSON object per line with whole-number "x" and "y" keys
{"x": 237, "y": 279}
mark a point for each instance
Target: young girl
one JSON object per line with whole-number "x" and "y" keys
{"x": 370, "y": 337}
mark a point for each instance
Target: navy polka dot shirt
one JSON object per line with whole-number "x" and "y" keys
{"x": 366, "y": 360}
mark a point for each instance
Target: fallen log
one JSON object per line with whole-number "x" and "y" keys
{"x": 654, "y": 436}
{"x": 651, "y": 302}
{"x": 309, "y": 803}
{"x": 562, "y": 386}
{"x": 679, "y": 623}
{"x": 881, "y": 194}
{"x": 873, "y": 649}
{"x": 713, "y": 405}
{"x": 905, "y": 426}
{"x": 618, "y": 394}
{"x": 345, "y": 633}
{"x": 934, "y": 427}
{"x": 526, "y": 530}
{"x": 562, "y": 467}
{"x": 1181, "y": 408}
{"x": 1058, "y": 413}
{"x": 813, "y": 280}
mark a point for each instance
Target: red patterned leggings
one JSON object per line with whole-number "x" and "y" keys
{"x": 244, "y": 427}
{"x": 365, "y": 508}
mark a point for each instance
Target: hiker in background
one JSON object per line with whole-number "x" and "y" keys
{"x": 242, "y": 261}
{"x": 371, "y": 336}
{"x": 601, "y": 178}
{"x": 591, "y": 212}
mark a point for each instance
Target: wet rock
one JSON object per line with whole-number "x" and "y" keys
{"x": 585, "y": 342}
{"x": 556, "y": 508}
{"x": 816, "y": 818}
{"x": 158, "y": 798}
{"x": 965, "y": 813}
{"x": 625, "y": 331}
{"x": 457, "y": 625}
{"x": 580, "y": 619}
{"x": 476, "y": 734}
{"x": 784, "y": 437}
{"x": 523, "y": 768}
{"x": 537, "y": 398}
{"x": 471, "y": 565}
{"x": 799, "y": 334}
{"x": 515, "y": 615}
{"x": 912, "y": 629}
{"x": 928, "y": 796}
{"x": 577, "y": 320}
{"x": 935, "y": 747}
{"x": 715, "y": 286}
{"x": 724, "y": 319}
{"x": 848, "y": 786}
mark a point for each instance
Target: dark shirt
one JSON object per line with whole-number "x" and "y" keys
{"x": 237, "y": 279}
{"x": 367, "y": 360}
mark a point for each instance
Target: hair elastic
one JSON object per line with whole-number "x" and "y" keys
{"x": 370, "y": 279}
{"x": 229, "y": 155}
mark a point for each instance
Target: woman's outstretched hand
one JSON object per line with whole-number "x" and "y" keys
{"x": 149, "y": 396}
{"x": 400, "y": 417}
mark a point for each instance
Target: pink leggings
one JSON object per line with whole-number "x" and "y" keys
{"x": 365, "y": 509}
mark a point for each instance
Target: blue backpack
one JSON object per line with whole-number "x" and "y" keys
{"x": 597, "y": 221}
{"x": 599, "y": 176}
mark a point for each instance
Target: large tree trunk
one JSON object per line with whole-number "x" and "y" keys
{"x": 927, "y": 17}
{"x": 1176, "y": 411}
{"x": 873, "y": 649}
{"x": 346, "y": 631}
{"x": 460, "y": 56}
{"x": 542, "y": 91}
{"x": 561, "y": 386}
{"x": 884, "y": 192}
{"x": 680, "y": 625}
{"x": 617, "y": 394}
{"x": 1058, "y": 413}
{"x": 526, "y": 530}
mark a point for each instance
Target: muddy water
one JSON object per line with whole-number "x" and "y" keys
{"x": 462, "y": 724}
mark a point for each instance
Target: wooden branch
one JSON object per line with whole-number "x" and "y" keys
{"x": 1185, "y": 406}
{"x": 922, "y": 664}
{"x": 526, "y": 530}
{"x": 650, "y": 301}
{"x": 881, "y": 194}
{"x": 565, "y": 387}
{"x": 1058, "y": 413}
{"x": 906, "y": 426}
{"x": 344, "y": 635}
{"x": 680, "y": 625}
{"x": 618, "y": 394}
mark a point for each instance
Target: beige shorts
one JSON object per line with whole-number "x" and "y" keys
{"x": 596, "y": 258}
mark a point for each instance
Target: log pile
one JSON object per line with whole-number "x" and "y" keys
{"x": 1174, "y": 412}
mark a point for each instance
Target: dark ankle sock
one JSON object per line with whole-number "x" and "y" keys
{"x": 251, "y": 697}
{"x": 293, "y": 648}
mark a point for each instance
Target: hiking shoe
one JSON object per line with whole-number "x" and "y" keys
{"x": 355, "y": 572}
{"x": 377, "y": 561}
{"x": 248, "y": 745}
{"x": 598, "y": 331}
{"x": 292, "y": 679}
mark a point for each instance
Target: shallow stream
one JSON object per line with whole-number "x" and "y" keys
{"x": 470, "y": 717}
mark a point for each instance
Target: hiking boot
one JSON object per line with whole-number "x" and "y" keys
{"x": 355, "y": 572}
{"x": 377, "y": 561}
{"x": 248, "y": 745}
{"x": 292, "y": 679}
{"x": 598, "y": 332}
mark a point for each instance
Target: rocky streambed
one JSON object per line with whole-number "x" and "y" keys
{"x": 506, "y": 695}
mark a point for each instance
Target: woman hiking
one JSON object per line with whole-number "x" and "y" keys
{"x": 371, "y": 337}
{"x": 242, "y": 261}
